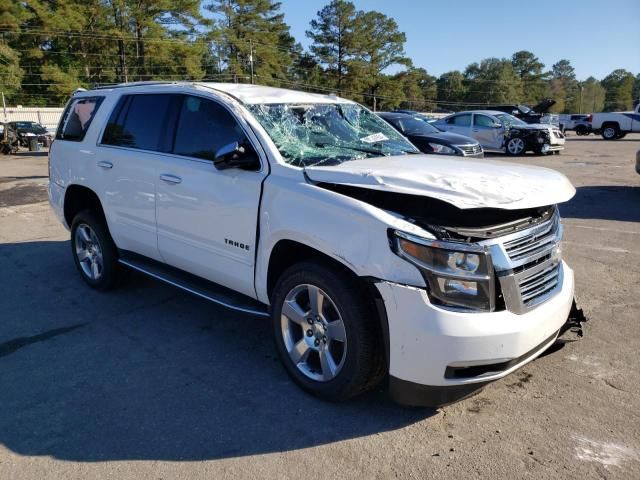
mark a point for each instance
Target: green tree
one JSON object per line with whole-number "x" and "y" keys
{"x": 619, "y": 90}
{"x": 451, "y": 88}
{"x": 252, "y": 34}
{"x": 378, "y": 44}
{"x": 534, "y": 80}
{"x": 493, "y": 80}
{"x": 565, "y": 88}
{"x": 636, "y": 89}
{"x": 333, "y": 39}
{"x": 592, "y": 96}
{"x": 419, "y": 89}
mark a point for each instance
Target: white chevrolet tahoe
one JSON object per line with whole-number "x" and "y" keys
{"x": 370, "y": 258}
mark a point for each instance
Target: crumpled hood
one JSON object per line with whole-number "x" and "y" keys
{"x": 464, "y": 183}
{"x": 534, "y": 126}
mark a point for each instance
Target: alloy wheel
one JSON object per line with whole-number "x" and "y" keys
{"x": 88, "y": 251}
{"x": 515, "y": 146}
{"x": 313, "y": 332}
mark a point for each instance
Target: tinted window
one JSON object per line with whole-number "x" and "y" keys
{"x": 482, "y": 121}
{"x": 77, "y": 118}
{"x": 415, "y": 126}
{"x": 139, "y": 121}
{"x": 203, "y": 128}
{"x": 461, "y": 120}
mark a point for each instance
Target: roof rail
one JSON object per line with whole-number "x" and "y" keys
{"x": 136, "y": 84}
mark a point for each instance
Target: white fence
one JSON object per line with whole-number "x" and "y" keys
{"x": 47, "y": 116}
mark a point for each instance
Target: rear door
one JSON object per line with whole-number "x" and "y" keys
{"x": 459, "y": 124}
{"x": 134, "y": 138}
{"x": 207, "y": 218}
{"x": 485, "y": 131}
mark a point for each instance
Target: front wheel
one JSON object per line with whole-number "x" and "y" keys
{"x": 326, "y": 332}
{"x": 515, "y": 146}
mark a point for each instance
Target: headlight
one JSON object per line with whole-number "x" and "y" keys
{"x": 457, "y": 275}
{"x": 443, "y": 149}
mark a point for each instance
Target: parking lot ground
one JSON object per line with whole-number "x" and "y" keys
{"x": 148, "y": 382}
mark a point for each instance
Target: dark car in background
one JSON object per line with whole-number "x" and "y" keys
{"x": 27, "y": 130}
{"x": 430, "y": 139}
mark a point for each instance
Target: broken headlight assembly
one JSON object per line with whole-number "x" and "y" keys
{"x": 457, "y": 275}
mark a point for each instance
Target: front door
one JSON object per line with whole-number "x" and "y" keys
{"x": 207, "y": 218}
{"x": 487, "y": 133}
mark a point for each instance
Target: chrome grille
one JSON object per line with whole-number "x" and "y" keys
{"x": 538, "y": 241}
{"x": 528, "y": 265}
{"x": 470, "y": 149}
{"x": 535, "y": 286}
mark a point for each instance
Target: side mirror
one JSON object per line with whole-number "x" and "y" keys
{"x": 234, "y": 155}
{"x": 497, "y": 125}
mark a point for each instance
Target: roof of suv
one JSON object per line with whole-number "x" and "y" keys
{"x": 246, "y": 93}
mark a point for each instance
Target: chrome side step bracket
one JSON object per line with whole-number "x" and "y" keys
{"x": 195, "y": 285}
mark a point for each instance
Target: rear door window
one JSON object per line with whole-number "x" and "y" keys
{"x": 142, "y": 122}
{"x": 77, "y": 118}
{"x": 463, "y": 120}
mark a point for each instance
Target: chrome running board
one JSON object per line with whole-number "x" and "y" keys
{"x": 195, "y": 285}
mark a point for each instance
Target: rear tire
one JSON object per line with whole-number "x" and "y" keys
{"x": 581, "y": 130}
{"x": 94, "y": 253}
{"x": 331, "y": 347}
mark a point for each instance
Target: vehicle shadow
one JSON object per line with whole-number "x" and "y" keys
{"x": 146, "y": 372}
{"x": 26, "y": 153}
{"x": 606, "y": 202}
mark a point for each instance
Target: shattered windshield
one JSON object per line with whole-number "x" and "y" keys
{"x": 328, "y": 134}
{"x": 510, "y": 120}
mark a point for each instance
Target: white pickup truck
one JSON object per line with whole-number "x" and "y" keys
{"x": 369, "y": 258}
{"x": 615, "y": 125}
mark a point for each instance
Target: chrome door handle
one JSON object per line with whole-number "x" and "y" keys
{"x": 105, "y": 165}
{"x": 170, "y": 178}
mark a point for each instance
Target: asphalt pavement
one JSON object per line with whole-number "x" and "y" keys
{"x": 149, "y": 382}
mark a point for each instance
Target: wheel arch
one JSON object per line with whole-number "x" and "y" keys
{"x": 286, "y": 253}
{"x": 78, "y": 198}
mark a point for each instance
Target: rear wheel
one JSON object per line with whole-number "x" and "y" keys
{"x": 515, "y": 146}
{"x": 94, "y": 252}
{"x": 326, "y": 332}
{"x": 610, "y": 132}
{"x": 581, "y": 130}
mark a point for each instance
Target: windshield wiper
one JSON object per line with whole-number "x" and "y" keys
{"x": 375, "y": 151}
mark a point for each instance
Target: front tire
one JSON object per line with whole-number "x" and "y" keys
{"x": 326, "y": 331}
{"x": 94, "y": 253}
{"x": 515, "y": 146}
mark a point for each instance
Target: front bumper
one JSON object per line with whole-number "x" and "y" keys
{"x": 438, "y": 349}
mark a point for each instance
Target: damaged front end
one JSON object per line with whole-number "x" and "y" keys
{"x": 478, "y": 259}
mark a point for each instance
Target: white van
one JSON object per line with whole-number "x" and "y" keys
{"x": 369, "y": 258}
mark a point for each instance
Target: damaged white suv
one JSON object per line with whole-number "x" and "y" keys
{"x": 369, "y": 257}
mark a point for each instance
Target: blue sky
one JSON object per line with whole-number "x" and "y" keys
{"x": 596, "y": 36}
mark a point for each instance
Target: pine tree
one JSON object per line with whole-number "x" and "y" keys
{"x": 534, "y": 80}
{"x": 332, "y": 33}
{"x": 565, "y": 88}
{"x": 619, "y": 90}
{"x": 252, "y": 34}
